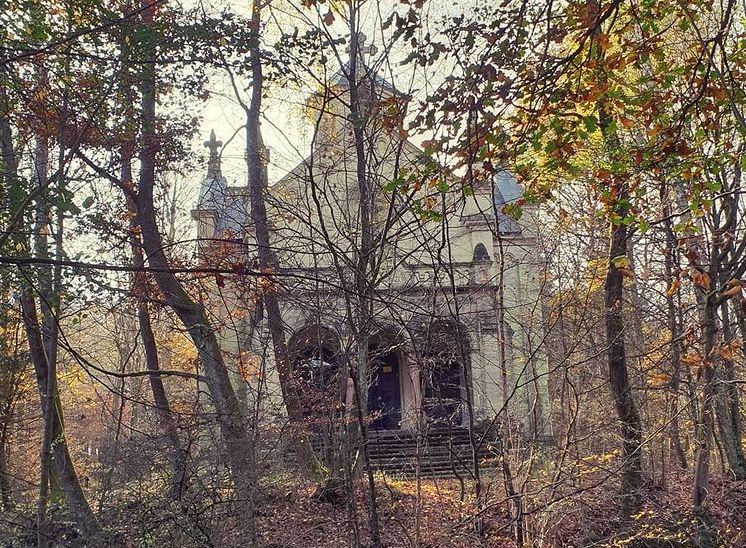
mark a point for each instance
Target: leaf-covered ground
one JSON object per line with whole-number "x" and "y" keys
{"x": 295, "y": 517}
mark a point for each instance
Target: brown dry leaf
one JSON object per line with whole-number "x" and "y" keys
{"x": 700, "y": 279}
{"x": 692, "y": 358}
{"x": 726, "y": 352}
{"x": 731, "y": 292}
{"x": 659, "y": 380}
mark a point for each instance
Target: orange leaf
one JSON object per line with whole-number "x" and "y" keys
{"x": 732, "y": 292}
{"x": 603, "y": 173}
{"x": 700, "y": 279}
{"x": 603, "y": 40}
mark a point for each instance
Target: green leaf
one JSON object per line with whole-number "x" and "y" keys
{"x": 591, "y": 124}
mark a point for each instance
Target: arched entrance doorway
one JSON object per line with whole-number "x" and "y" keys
{"x": 384, "y": 388}
{"x": 444, "y": 355}
{"x": 314, "y": 352}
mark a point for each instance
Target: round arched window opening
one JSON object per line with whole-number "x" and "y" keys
{"x": 480, "y": 254}
{"x": 443, "y": 364}
{"x": 315, "y": 357}
{"x": 316, "y": 366}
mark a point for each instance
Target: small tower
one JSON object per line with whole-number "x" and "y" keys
{"x": 212, "y": 194}
{"x": 332, "y": 101}
{"x": 524, "y": 325}
{"x": 222, "y": 210}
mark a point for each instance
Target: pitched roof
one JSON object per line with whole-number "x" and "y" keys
{"x": 340, "y": 78}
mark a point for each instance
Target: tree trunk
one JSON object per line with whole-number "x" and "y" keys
{"x": 62, "y": 465}
{"x": 729, "y": 407}
{"x": 41, "y": 160}
{"x": 621, "y": 391}
{"x": 61, "y": 462}
{"x": 631, "y": 473}
{"x": 233, "y": 424}
{"x": 715, "y": 403}
{"x": 177, "y": 455}
{"x": 267, "y": 260}
{"x": 6, "y": 494}
{"x": 363, "y": 264}
{"x": 704, "y": 429}
{"x": 675, "y": 328}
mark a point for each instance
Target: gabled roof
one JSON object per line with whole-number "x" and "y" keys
{"x": 340, "y": 78}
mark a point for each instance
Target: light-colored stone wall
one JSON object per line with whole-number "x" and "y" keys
{"x": 429, "y": 267}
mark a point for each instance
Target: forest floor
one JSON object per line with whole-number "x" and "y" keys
{"x": 293, "y": 517}
{"x": 433, "y": 514}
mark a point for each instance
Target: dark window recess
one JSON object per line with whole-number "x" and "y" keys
{"x": 480, "y": 253}
{"x": 317, "y": 372}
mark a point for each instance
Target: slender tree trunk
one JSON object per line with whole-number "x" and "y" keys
{"x": 239, "y": 445}
{"x": 64, "y": 470}
{"x": 704, "y": 428}
{"x": 364, "y": 258}
{"x": 6, "y": 494}
{"x": 728, "y": 406}
{"x": 177, "y": 454}
{"x": 618, "y": 376}
{"x": 10, "y": 394}
{"x": 621, "y": 391}
{"x": 62, "y": 464}
{"x": 267, "y": 260}
{"x": 675, "y": 328}
{"x": 41, "y": 161}
{"x": 728, "y": 402}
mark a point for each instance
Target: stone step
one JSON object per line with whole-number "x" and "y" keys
{"x": 443, "y": 451}
{"x": 463, "y": 452}
{"x": 439, "y": 469}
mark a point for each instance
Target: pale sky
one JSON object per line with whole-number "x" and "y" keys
{"x": 286, "y": 129}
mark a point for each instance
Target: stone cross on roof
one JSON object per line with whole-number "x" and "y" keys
{"x": 213, "y": 164}
{"x": 364, "y": 51}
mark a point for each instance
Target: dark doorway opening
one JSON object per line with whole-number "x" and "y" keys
{"x": 443, "y": 372}
{"x": 442, "y": 391}
{"x": 315, "y": 356}
{"x": 384, "y": 392}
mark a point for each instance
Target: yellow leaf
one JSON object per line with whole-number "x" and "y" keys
{"x": 675, "y": 285}
{"x": 622, "y": 261}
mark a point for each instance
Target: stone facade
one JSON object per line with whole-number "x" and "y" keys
{"x": 445, "y": 343}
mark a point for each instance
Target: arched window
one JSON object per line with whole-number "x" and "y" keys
{"x": 443, "y": 370}
{"x": 480, "y": 254}
{"x": 315, "y": 356}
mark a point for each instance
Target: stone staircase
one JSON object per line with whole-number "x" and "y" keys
{"x": 444, "y": 452}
